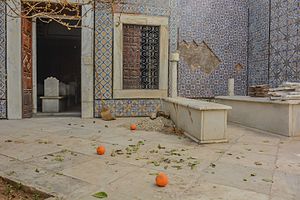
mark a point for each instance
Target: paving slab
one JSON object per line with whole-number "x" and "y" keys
{"x": 209, "y": 191}
{"x": 141, "y": 186}
{"x": 289, "y": 157}
{"x": 59, "y": 161}
{"x": 254, "y": 160}
{"x": 60, "y": 185}
{"x": 253, "y": 136}
{"x": 261, "y": 149}
{"x": 99, "y": 171}
{"x": 6, "y": 162}
{"x": 239, "y": 176}
{"x": 23, "y": 151}
{"x": 286, "y": 185}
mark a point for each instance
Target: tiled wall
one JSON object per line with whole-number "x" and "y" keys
{"x": 258, "y": 49}
{"x": 2, "y": 62}
{"x": 104, "y": 51}
{"x": 284, "y": 41}
{"x": 274, "y": 45}
{"x": 223, "y": 26}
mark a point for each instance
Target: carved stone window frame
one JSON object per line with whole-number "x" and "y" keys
{"x": 163, "y": 23}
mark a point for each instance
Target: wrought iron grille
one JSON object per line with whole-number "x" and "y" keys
{"x": 141, "y": 57}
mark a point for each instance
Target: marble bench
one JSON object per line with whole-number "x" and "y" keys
{"x": 202, "y": 121}
{"x": 279, "y": 117}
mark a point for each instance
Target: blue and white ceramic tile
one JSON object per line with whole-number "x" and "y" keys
{"x": 258, "y": 49}
{"x": 285, "y": 42}
{"x": 223, "y": 25}
{"x": 274, "y": 41}
{"x": 103, "y": 51}
{"x": 2, "y": 61}
{"x": 130, "y": 107}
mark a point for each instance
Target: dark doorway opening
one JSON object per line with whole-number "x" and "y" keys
{"x": 59, "y": 56}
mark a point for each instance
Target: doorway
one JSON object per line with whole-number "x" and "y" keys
{"x": 58, "y": 55}
{"x": 21, "y": 78}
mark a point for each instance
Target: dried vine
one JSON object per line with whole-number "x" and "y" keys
{"x": 68, "y": 13}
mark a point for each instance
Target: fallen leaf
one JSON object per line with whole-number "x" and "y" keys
{"x": 267, "y": 180}
{"x": 258, "y": 163}
{"x": 177, "y": 167}
{"x": 100, "y": 195}
{"x": 119, "y": 152}
{"x": 193, "y": 165}
{"x": 113, "y": 153}
{"x": 213, "y": 165}
{"x": 153, "y": 174}
{"x": 179, "y": 161}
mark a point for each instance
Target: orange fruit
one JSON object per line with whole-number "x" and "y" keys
{"x": 101, "y": 150}
{"x": 133, "y": 127}
{"x": 161, "y": 180}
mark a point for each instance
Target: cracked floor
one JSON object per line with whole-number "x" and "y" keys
{"x": 58, "y": 156}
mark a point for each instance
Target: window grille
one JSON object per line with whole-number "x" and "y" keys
{"x": 141, "y": 56}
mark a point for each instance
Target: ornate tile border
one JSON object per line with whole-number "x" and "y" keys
{"x": 103, "y": 51}
{"x": 129, "y": 108}
{"x": 3, "y": 86}
{"x": 2, "y": 109}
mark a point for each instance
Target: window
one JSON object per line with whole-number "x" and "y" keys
{"x": 140, "y": 56}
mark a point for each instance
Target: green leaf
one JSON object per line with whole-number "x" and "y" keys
{"x": 100, "y": 195}
{"x": 177, "y": 167}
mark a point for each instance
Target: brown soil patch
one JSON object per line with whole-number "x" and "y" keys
{"x": 160, "y": 124}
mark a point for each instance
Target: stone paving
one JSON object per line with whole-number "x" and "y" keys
{"x": 57, "y": 156}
